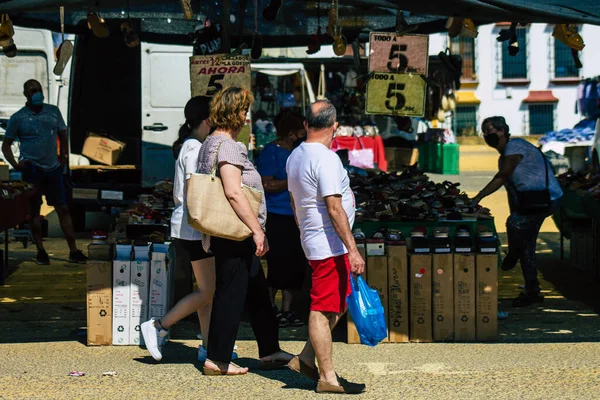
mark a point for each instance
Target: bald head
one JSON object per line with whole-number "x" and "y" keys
{"x": 321, "y": 115}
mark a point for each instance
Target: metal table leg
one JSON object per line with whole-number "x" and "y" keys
{"x": 5, "y": 261}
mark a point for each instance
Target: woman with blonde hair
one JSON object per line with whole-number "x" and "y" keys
{"x": 240, "y": 279}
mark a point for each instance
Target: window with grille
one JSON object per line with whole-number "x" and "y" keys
{"x": 515, "y": 67}
{"x": 465, "y": 47}
{"x": 541, "y": 118}
{"x": 564, "y": 66}
{"x": 464, "y": 122}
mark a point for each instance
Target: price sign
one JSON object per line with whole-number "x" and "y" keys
{"x": 390, "y": 52}
{"x": 396, "y": 94}
{"x": 209, "y": 74}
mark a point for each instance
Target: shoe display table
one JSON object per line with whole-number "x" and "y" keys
{"x": 368, "y": 227}
{"x": 12, "y": 213}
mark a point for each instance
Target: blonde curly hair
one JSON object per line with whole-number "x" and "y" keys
{"x": 229, "y": 107}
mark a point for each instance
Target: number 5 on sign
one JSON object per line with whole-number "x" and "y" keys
{"x": 209, "y": 74}
{"x": 390, "y": 52}
{"x": 396, "y": 94}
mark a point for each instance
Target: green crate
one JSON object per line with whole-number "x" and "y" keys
{"x": 424, "y": 157}
{"x": 435, "y": 158}
{"x": 450, "y": 159}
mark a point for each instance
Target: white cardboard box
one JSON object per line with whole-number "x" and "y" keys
{"x": 159, "y": 287}
{"x": 121, "y": 302}
{"x": 140, "y": 295}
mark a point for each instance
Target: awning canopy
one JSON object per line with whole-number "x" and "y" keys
{"x": 163, "y": 22}
{"x": 465, "y": 97}
{"x": 540, "y": 96}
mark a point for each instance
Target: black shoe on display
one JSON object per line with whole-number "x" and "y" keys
{"x": 77, "y": 257}
{"x": 527, "y": 299}
{"x": 42, "y": 258}
{"x": 293, "y": 320}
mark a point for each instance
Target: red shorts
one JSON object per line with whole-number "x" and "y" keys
{"x": 330, "y": 284}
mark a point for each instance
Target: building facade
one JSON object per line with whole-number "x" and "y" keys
{"x": 535, "y": 91}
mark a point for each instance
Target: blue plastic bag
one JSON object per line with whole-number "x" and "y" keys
{"x": 367, "y": 312}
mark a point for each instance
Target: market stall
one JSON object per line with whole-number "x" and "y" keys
{"x": 14, "y": 208}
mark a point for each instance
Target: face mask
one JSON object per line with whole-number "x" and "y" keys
{"x": 492, "y": 140}
{"x": 37, "y": 99}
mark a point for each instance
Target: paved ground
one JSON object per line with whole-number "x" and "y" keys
{"x": 550, "y": 351}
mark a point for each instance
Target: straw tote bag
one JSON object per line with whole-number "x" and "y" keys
{"x": 210, "y": 212}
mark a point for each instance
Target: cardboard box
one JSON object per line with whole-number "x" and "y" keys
{"x": 398, "y": 294}
{"x": 99, "y": 303}
{"x": 101, "y": 251}
{"x": 443, "y": 298}
{"x": 486, "y": 275}
{"x": 4, "y": 172}
{"x": 400, "y": 158}
{"x": 121, "y": 301}
{"x": 102, "y": 149}
{"x": 159, "y": 285}
{"x": 377, "y": 278}
{"x": 420, "y": 298}
{"x": 140, "y": 296}
{"x": 86, "y": 194}
{"x": 375, "y": 247}
{"x": 464, "y": 297}
{"x": 353, "y": 336}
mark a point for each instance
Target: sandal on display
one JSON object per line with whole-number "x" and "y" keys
{"x": 97, "y": 25}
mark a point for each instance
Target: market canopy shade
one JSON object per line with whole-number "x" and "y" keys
{"x": 163, "y": 21}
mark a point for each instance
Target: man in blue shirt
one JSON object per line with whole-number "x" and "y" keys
{"x": 37, "y": 126}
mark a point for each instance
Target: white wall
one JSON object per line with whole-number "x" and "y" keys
{"x": 507, "y": 101}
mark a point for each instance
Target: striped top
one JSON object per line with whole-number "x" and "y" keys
{"x": 234, "y": 153}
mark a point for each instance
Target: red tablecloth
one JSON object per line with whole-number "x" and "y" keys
{"x": 368, "y": 142}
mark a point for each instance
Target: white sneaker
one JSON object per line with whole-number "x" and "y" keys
{"x": 153, "y": 338}
{"x": 202, "y": 353}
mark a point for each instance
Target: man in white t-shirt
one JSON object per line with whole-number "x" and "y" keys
{"x": 323, "y": 204}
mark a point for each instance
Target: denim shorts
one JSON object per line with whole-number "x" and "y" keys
{"x": 51, "y": 183}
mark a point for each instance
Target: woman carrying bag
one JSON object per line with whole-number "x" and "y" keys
{"x": 240, "y": 278}
{"x": 533, "y": 193}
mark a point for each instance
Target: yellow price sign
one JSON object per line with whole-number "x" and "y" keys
{"x": 209, "y": 74}
{"x": 396, "y": 94}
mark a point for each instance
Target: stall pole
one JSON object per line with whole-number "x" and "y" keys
{"x": 303, "y": 73}
{"x": 225, "y": 23}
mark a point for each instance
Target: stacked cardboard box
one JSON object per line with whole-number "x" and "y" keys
{"x": 432, "y": 295}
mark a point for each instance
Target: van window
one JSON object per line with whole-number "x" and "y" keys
{"x": 14, "y": 72}
{"x": 169, "y": 80}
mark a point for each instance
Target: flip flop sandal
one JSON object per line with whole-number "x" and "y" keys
{"x": 129, "y": 36}
{"x": 63, "y": 55}
{"x": 219, "y": 372}
{"x": 97, "y": 25}
{"x": 7, "y": 31}
{"x": 186, "y": 6}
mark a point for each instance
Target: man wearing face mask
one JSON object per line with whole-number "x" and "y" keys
{"x": 37, "y": 126}
{"x": 530, "y": 183}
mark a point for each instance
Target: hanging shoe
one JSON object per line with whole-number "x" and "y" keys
{"x": 567, "y": 33}
{"x": 129, "y": 36}
{"x": 63, "y": 55}
{"x": 454, "y": 26}
{"x": 6, "y": 31}
{"x": 513, "y": 45}
{"x": 468, "y": 29}
{"x": 186, "y": 6}
{"x": 97, "y": 25}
